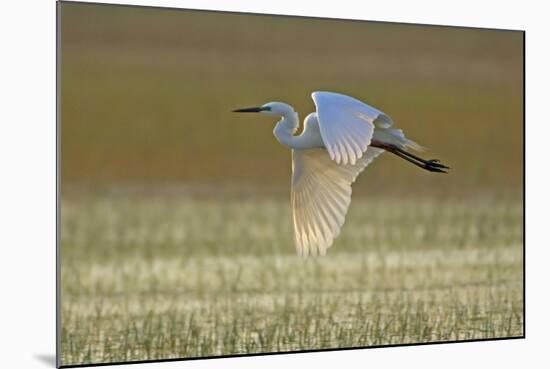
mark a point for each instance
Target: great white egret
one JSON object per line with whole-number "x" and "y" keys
{"x": 337, "y": 143}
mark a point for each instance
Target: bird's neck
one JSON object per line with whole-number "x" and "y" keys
{"x": 286, "y": 128}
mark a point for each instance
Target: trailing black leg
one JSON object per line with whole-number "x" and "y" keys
{"x": 433, "y": 165}
{"x": 432, "y": 162}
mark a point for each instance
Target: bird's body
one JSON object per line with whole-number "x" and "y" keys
{"x": 357, "y": 137}
{"x": 337, "y": 143}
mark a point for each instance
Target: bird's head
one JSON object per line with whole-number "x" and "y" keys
{"x": 274, "y": 108}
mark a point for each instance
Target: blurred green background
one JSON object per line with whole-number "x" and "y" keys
{"x": 147, "y": 94}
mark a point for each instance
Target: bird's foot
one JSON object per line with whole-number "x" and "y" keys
{"x": 434, "y": 165}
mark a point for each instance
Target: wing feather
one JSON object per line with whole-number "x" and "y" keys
{"x": 320, "y": 196}
{"x": 346, "y": 125}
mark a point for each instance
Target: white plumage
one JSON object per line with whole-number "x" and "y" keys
{"x": 337, "y": 143}
{"x": 346, "y": 125}
{"x": 320, "y": 196}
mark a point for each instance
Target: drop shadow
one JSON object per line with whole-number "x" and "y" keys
{"x": 47, "y": 359}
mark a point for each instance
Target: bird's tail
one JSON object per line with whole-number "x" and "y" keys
{"x": 413, "y": 145}
{"x": 396, "y": 136}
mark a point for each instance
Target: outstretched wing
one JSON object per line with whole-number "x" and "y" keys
{"x": 320, "y": 196}
{"x": 346, "y": 125}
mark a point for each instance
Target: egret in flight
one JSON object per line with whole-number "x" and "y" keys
{"x": 338, "y": 141}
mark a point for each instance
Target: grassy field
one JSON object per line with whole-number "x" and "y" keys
{"x": 155, "y": 276}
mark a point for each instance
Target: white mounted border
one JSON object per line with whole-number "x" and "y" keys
{"x": 27, "y": 151}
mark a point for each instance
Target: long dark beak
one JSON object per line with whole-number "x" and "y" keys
{"x": 250, "y": 110}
